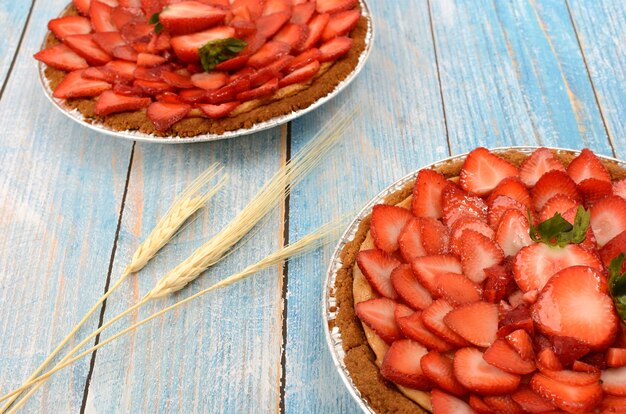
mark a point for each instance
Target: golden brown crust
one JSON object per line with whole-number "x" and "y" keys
{"x": 286, "y": 100}
{"x": 382, "y": 395}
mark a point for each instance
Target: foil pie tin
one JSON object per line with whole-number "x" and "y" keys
{"x": 330, "y": 305}
{"x": 76, "y": 116}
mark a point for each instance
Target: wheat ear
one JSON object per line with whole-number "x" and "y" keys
{"x": 185, "y": 205}
{"x": 315, "y": 239}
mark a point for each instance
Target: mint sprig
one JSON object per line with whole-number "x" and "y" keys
{"x": 617, "y": 284}
{"x": 217, "y": 51}
{"x": 154, "y": 19}
{"x": 557, "y": 231}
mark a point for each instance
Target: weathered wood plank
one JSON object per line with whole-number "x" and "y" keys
{"x": 512, "y": 74}
{"x": 61, "y": 187}
{"x": 220, "y": 353}
{"x": 13, "y": 15}
{"x": 400, "y": 128}
{"x": 601, "y": 30}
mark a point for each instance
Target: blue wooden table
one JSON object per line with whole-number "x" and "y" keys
{"x": 444, "y": 76}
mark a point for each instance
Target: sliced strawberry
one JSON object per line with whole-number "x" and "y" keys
{"x": 268, "y": 53}
{"x": 335, "y": 48}
{"x": 169, "y": 97}
{"x": 565, "y": 294}
{"x": 193, "y": 96}
{"x": 87, "y": 48}
{"x": 500, "y": 354}
{"x": 475, "y": 322}
{"x": 303, "y": 59}
{"x": 503, "y": 404}
{"x": 138, "y": 35}
{"x": 613, "y": 404}
{"x": 513, "y": 232}
{"x": 218, "y": 111}
{"x": 209, "y": 80}
{"x": 614, "y": 381}
{"x": 150, "y": 7}
{"x": 267, "y": 89}
{"x": 557, "y": 204}
{"x": 69, "y": 25}
{"x": 340, "y": 24}
{"x": 377, "y": 266}
{"x": 478, "y": 253}
{"x": 467, "y": 223}
{"x": 435, "y": 236}
{"x": 109, "y": 102}
{"x": 477, "y": 375}
{"x": 276, "y": 6}
{"x": 190, "y": 17}
{"x": 571, "y": 398}
{"x": 456, "y": 204}
{"x": 125, "y": 53}
{"x": 268, "y": 25}
{"x": 482, "y": 171}
{"x": 479, "y": 405}
{"x": 120, "y": 16}
{"x": 530, "y": 401}
{"x": 547, "y": 359}
{"x": 433, "y": 319}
{"x": 535, "y": 264}
{"x": 387, "y": 223}
{"x": 229, "y": 92}
{"x": 186, "y": 46}
{"x": 514, "y": 188}
{"x": 568, "y": 349}
{"x": 613, "y": 249}
{"x": 119, "y": 70}
{"x": 587, "y": 165}
{"x": 293, "y": 34}
{"x": 616, "y": 357}
{"x": 149, "y": 74}
{"x": 401, "y": 364}
{"x": 572, "y": 377}
{"x": 428, "y": 268}
{"x": 501, "y": 205}
{"x": 551, "y": 184}
{"x": 410, "y": 240}
{"x": 302, "y": 13}
{"x": 378, "y": 314}
{"x": 458, "y": 289}
{"x": 516, "y": 318}
{"x": 440, "y": 371}
{"x": 130, "y": 3}
{"x": 608, "y": 219}
{"x": 447, "y": 404}
{"x": 254, "y": 7}
{"x": 300, "y": 75}
{"x": 74, "y": 85}
{"x": 177, "y": 79}
{"x": 82, "y": 6}
{"x": 108, "y": 41}
{"x": 164, "y": 115}
{"x": 413, "y": 327}
{"x": 537, "y": 164}
{"x": 522, "y": 343}
{"x": 316, "y": 28}
{"x": 498, "y": 283}
{"x": 149, "y": 60}
{"x": 426, "y": 200}
{"x": 580, "y": 366}
{"x": 408, "y": 288}
{"x": 61, "y": 57}
{"x": 334, "y": 6}
{"x": 152, "y": 87}
{"x": 619, "y": 188}
{"x": 100, "y": 15}
{"x": 94, "y": 73}
{"x": 593, "y": 190}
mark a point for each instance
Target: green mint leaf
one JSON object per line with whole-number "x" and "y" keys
{"x": 557, "y": 231}
{"x": 217, "y": 51}
{"x": 617, "y": 284}
{"x": 581, "y": 224}
{"x": 154, "y": 19}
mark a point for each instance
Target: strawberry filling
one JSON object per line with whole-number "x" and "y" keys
{"x": 506, "y": 290}
{"x": 239, "y": 51}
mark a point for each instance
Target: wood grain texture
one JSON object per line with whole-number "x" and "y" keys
{"x": 13, "y": 16}
{"x": 61, "y": 188}
{"x": 401, "y": 127}
{"x": 601, "y": 29}
{"x": 512, "y": 74}
{"x": 220, "y": 353}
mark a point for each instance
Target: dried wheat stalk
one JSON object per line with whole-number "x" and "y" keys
{"x": 185, "y": 205}
{"x": 313, "y": 240}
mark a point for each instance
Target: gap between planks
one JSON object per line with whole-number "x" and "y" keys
{"x": 17, "y": 49}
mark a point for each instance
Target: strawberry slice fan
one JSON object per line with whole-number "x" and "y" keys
{"x": 492, "y": 282}
{"x": 156, "y": 70}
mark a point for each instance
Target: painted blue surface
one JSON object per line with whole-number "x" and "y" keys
{"x": 444, "y": 76}
{"x": 13, "y": 15}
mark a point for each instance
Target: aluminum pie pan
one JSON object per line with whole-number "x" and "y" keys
{"x": 329, "y": 301}
{"x": 76, "y": 116}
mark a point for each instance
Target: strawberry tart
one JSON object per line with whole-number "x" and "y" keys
{"x": 493, "y": 283}
{"x": 195, "y": 67}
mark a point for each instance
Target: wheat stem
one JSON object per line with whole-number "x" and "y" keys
{"x": 185, "y": 205}
{"x": 315, "y": 239}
